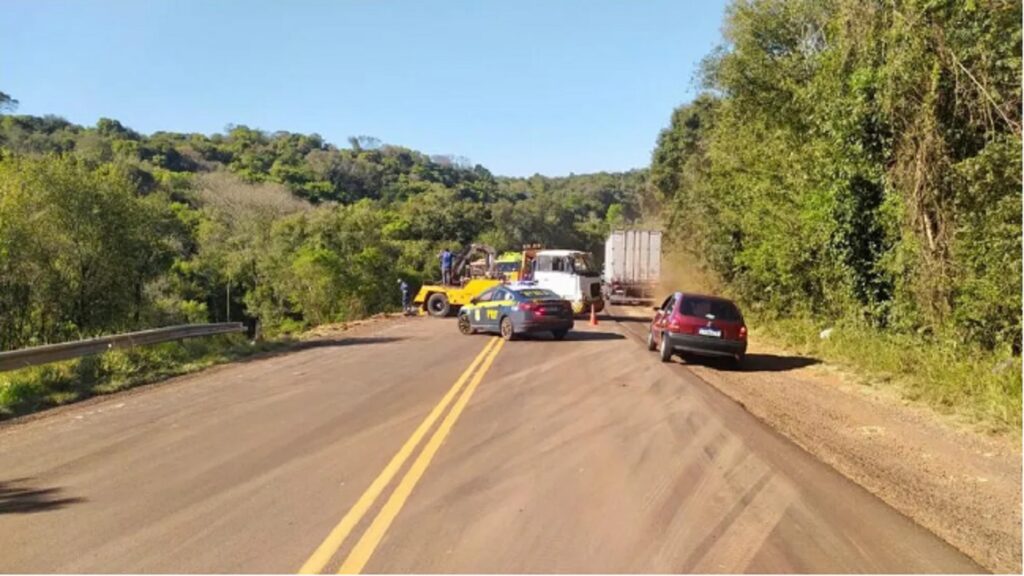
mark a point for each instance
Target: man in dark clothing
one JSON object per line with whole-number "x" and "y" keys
{"x": 446, "y": 267}
{"x": 405, "y": 296}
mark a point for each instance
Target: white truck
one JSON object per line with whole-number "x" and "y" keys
{"x": 570, "y": 274}
{"x": 632, "y": 266}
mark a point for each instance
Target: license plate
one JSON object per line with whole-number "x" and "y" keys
{"x": 713, "y": 332}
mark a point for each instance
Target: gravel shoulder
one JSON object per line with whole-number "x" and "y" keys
{"x": 962, "y": 485}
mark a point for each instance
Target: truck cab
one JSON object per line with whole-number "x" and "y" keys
{"x": 509, "y": 266}
{"x": 570, "y": 274}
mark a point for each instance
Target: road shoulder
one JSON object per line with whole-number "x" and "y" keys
{"x": 318, "y": 336}
{"x": 963, "y": 486}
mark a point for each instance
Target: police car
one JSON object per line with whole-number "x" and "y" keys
{"x": 518, "y": 308}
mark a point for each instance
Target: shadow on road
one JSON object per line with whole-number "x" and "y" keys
{"x": 775, "y": 363}
{"x": 757, "y": 363}
{"x": 589, "y": 336}
{"x": 18, "y": 498}
{"x": 635, "y": 319}
{"x": 575, "y": 336}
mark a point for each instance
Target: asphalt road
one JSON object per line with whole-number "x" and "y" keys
{"x": 406, "y": 446}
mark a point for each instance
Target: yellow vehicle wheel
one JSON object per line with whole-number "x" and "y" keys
{"x": 437, "y": 305}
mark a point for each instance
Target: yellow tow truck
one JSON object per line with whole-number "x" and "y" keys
{"x": 470, "y": 280}
{"x": 509, "y": 266}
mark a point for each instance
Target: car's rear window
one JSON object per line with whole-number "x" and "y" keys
{"x": 702, "y": 307}
{"x": 537, "y": 294}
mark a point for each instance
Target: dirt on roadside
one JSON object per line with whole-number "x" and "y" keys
{"x": 312, "y": 337}
{"x": 962, "y": 485}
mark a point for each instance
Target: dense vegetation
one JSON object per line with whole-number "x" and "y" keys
{"x": 103, "y": 229}
{"x": 849, "y": 163}
{"x": 860, "y": 162}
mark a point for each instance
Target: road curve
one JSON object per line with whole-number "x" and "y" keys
{"x": 406, "y": 447}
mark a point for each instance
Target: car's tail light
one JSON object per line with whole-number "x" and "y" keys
{"x": 675, "y": 325}
{"x": 534, "y": 307}
{"x": 743, "y": 332}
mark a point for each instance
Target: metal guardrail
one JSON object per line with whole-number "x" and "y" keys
{"x": 39, "y": 355}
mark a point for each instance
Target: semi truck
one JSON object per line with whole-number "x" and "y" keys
{"x": 632, "y": 266}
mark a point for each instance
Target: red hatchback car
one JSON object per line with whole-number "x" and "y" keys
{"x": 697, "y": 324}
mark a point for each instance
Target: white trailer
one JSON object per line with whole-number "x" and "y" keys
{"x": 632, "y": 265}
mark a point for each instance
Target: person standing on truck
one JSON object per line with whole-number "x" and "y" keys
{"x": 446, "y": 267}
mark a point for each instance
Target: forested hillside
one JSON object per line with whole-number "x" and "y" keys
{"x": 859, "y": 160}
{"x": 103, "y": 229}
{"x": 847, "y": 163}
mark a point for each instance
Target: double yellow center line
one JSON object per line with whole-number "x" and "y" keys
{"x": 364, "y": 548}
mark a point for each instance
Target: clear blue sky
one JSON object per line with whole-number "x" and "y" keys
{"x": 522, "y": 87}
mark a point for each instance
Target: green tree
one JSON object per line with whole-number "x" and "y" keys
{"x": 858, "y": 160}
{"x": 78, "y": 247}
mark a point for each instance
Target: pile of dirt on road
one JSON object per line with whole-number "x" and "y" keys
{"x": 330, "y": 330}
{"x": 962, "y": 485}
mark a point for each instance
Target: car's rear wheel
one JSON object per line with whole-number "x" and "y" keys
{"x": 508, "y": 332}
{"x": 437, "y": 305}
{"x": 651, "y": 344}
{"x": 559, "y": 334}
{"x": 464, "y": 326}
{"x": 665, "y": 350}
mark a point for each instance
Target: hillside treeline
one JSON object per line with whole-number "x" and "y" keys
{"x": 103, "y": 229}
{"x": 858, "y": 161}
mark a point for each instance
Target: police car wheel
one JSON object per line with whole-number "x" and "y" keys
{"x": 508, "y": 332}
{"x": 464, "y": 326}
{"x": 437, "y": 305}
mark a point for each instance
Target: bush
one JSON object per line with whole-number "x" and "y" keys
{"x": 980, "y": 386}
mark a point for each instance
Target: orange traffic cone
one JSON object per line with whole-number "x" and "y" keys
{"x": 593, "y": 315}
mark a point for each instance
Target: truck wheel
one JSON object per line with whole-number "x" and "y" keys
{"x": 437, "y": 305}
{"x": 464, "y": 326}
{"x": 666, "y": 350}
{"x": 508, "y": 332}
